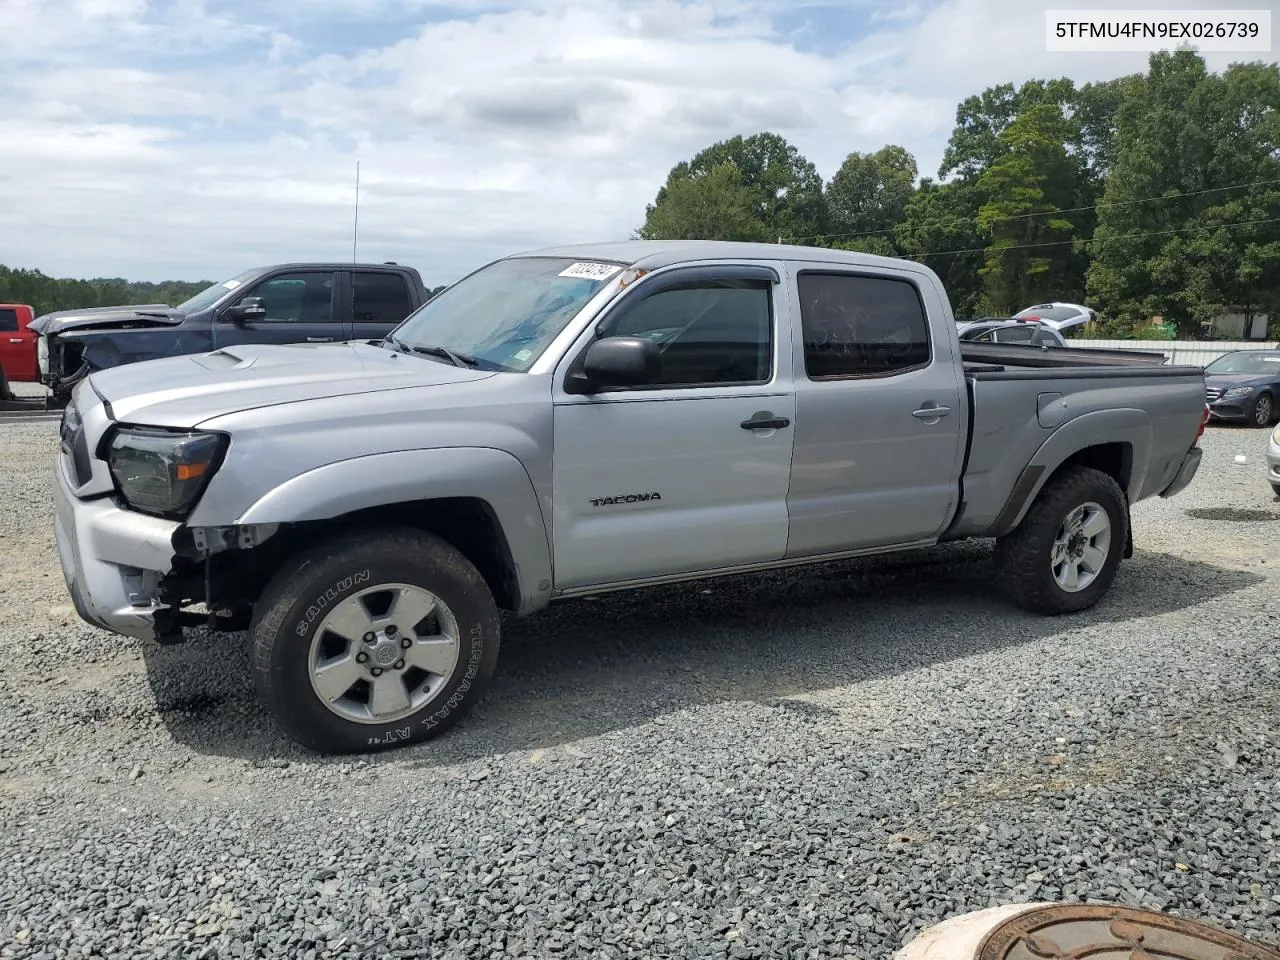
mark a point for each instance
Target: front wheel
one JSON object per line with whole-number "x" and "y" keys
{"x": 1263, "y": 410}
{"x": 374, "y": 640}
{"x": 1064, "y": 554}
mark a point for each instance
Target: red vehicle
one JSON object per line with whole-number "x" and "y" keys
{"x": 18, "y": 363}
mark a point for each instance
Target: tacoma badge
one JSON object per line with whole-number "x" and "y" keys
{"x": 624, "y": 498}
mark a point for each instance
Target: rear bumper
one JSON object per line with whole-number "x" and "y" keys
{"x": 112, "y": 560}
{"x": 1186, "y": 473}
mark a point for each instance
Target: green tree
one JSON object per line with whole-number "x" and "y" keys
{"x": 980, "y": 120}
{"x": 867, "y": 198}
{"x": 1031, "y": 180}
{"x": 940, "y": 230}
{"x": 1194, "y": 140}
{"x": 783, "y": 190}
{"x": 712, "y": 205}
{"x": 46, "y": 294}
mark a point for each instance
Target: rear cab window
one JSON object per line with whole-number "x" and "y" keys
{"x": 8, "y": 320}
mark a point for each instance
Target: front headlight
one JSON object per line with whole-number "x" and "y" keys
{"x": 163, "y": 472}
{"x": 1238, "y": 392}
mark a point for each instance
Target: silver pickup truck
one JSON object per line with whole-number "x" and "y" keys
{"x": 584, "y": 419}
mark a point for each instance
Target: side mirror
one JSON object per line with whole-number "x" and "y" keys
{"x": 250, "y": 308}
{"x": 622, "y": 362}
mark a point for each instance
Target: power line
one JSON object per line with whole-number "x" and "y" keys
{"x": 1040, "y": 213}
{"x": 1061, "y": 243}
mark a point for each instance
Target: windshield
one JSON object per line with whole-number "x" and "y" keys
{"x": 504, "y": 315}
{"x": 211, "y": 295}
{"x": 1246, "y": 363}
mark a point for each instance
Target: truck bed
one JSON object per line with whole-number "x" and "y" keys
{"x": 1001, "y": 357}
{"x": 1025, "y": 400}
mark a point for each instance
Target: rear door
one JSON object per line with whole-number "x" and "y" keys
{"x": 17, "y": 344}
{"x": 303, "y": 306}
{"x": 880, "y": 413}
{"x": 379, "y": 301}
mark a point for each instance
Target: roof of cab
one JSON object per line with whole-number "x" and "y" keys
{"x": 652, "y": 254}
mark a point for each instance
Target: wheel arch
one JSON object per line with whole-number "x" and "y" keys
{"x": 480, "y": 500}
{"x": 1115, "y": 442}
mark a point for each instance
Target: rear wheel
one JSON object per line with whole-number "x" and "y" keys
{"x": 374, "y": 640}
{"x": 1065, "y": 553}
{"x": 1263, "y": 410}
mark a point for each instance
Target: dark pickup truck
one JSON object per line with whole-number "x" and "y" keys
{"x": 285, "y": 303}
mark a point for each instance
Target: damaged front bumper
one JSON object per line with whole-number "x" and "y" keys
{"x": 113, "y": 560}
{"x": 132, "y": 574}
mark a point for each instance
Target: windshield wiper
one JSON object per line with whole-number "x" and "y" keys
{"x": 457, "y": 359}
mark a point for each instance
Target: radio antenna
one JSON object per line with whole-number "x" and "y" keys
{"x": 355, "y": 226}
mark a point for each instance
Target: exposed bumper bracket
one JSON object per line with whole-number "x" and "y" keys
{"x": 1186, "y": 473}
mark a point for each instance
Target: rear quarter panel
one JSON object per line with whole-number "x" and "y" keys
{"x": 1031, "y": 419}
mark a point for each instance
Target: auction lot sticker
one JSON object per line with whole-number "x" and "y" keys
{"x": 590, "y": 271}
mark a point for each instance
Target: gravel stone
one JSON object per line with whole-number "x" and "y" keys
{"x": 816, "y": 762}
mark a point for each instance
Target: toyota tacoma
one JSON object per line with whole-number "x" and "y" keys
{"x": 576, "y": 420}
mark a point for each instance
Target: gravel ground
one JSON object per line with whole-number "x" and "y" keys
{"x": 814, "y": 763}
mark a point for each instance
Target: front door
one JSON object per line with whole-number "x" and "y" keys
{"x": 302, "y": 307}
{"x": 688, "y": 473}
{"x": 880, "y": 414}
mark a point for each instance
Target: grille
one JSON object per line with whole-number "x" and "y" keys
{"x": 1212, "y": 393}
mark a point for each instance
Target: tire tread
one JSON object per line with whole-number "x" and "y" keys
{"x": 291, "y": 584}
{"x": 1021, "y": 555}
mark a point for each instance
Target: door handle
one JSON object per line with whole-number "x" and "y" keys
{"x": 764, "y": 420}
{"x": 319, "y": 339}
{"x": 930, "y": 413}
{"x": 15, "y": 340}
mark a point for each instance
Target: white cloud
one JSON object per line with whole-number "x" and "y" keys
{"x": 189, "y": 138}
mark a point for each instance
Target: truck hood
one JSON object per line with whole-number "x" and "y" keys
{"x": 151, "y": 314}
{"x": 188, "y": 390}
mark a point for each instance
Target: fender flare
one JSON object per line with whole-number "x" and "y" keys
{"x": 493, "y": 476}
{"x": 1125, "y": 425}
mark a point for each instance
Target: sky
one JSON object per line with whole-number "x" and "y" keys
{"x": 192, "y": 139}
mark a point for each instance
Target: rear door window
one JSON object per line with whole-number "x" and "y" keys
{"x": 860, "y": 326}
{"x": 1019, "y": 334}
{"x": 8, "y": 320}
{"x": 381, "y": 298}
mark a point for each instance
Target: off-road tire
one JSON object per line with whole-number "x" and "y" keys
{"x": 1257, "y": 416}
{"x": 1023, "y": 555}
{"x": 290, "y": 611}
